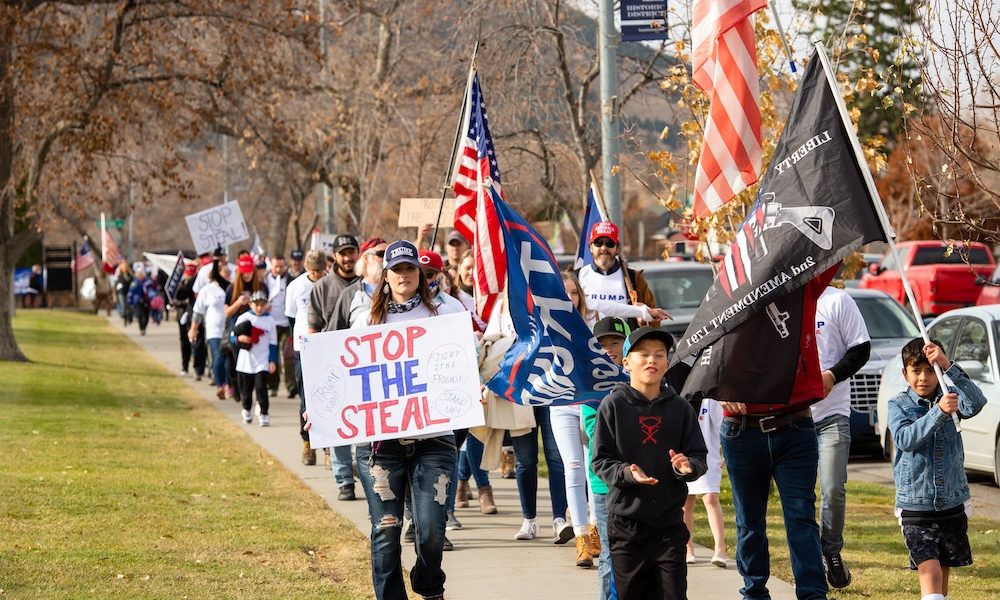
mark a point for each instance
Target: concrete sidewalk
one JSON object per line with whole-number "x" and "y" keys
{"x": 487, "y": 562}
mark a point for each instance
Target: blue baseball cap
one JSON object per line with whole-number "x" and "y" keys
{"x": 647, "y": 332}
{"x": 400, "y": 252}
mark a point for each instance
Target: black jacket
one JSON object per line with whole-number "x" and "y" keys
{"x": 632, "y": 429}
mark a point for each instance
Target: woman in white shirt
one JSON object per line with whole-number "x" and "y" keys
{"x": 210, "y": 310}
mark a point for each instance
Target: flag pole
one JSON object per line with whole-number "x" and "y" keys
{"x": 883, "y": 217}
{"x": 633, "y": 297}
{"x": 446, "y": 185}
{"x": 784, "y": 42}
{"x": 104, "y": 242}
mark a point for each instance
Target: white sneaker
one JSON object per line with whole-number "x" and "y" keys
{"x": 528, "y": 531}
{"x": 256, "y": 408}
{"x": 246, "y": 416}
{"x": 265, "y": 420}
{"x": 182, "y": 373}
{"x": 562, "y": 531}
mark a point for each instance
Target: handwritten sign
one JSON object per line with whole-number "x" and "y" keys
{"x": 399, "y": 380}
{"x": 414, "y": 212}
{"x": 323, "y": 241}
{"x": 217, "y": 226}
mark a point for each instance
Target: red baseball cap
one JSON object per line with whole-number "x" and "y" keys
{"x": 190, "y": 268}
{"x": 431, "y": 259}
{"x": 245, "y": 264}
{"x": 371, "y": 243}
{"x": 604, "y": 229}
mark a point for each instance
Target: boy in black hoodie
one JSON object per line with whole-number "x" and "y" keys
{"x": 647, "y": 444}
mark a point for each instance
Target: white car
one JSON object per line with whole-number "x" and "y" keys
{"x": 970, "y": 337}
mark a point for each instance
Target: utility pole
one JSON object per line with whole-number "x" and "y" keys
{"x": 607, "y": 41}
{"x": 225, "y": 178}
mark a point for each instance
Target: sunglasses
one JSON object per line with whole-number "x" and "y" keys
{"x": 603, "y": 243}
{"x": 379, "y": 253}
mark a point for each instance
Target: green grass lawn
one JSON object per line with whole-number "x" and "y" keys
{"x": 119, "y": 482}
{"x": 874, "y": 548}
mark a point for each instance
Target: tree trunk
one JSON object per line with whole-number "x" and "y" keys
{"x": 12, "y": 246}
{"x": 278, "y": 239}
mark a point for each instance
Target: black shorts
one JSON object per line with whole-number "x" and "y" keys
{"x": 946, "y": 541}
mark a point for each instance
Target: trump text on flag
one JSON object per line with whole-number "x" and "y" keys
{"x": 399, "y": 380}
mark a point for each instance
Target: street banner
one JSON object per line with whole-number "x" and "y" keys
{"x": 174, "y": 281}
{"x": 415, "y": 212}
{"x": 397, "y": 380}
{"x": 217, "y": 226}
{"x": 812, "y": 210}
{"x": 643, "y": 20}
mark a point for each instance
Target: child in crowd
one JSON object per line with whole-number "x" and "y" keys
{"x": 709, "y": 419}
{"x": 647, "y": 444}
{"x": 932, "y": 493}
{"x": 610, "y": 333}
{"x": 257, "y": 338}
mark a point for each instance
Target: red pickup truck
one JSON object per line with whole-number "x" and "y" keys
{"x": 940, "y": 281}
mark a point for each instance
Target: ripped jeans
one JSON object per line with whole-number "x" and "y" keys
{"x": 423, "y": 470}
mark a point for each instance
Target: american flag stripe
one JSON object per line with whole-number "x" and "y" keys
{"x": 725, "y": 67}
{"x": 475, "y": 176}
{"x": 745, "y": 266}
{"x": 112, "y": 255}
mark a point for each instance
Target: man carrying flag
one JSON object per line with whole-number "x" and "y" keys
{"x": 752, "y": 344}
{"x": 604, "y": 283}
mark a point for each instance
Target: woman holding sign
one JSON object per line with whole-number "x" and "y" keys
{"x": 420, "y": 467}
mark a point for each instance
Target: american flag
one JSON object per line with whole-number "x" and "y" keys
{"x": 112, "y": 254}
{"x": 475, "y": 172}
{"x": 84, "y": 257}
{"x": 257, "y": 251}
{"x": 724, "y": 66}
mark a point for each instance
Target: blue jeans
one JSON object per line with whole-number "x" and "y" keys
{"x": 220, "y": 367}
{"x": 340, "y": 464}
{"x": 790, "y": 457}
{"x": 604, "y": 577}
{"x": 834, "y": 433}
{"x": 469, "y": 461}
{"x": 421, "y": 470}
{"x": 526, "y": 470}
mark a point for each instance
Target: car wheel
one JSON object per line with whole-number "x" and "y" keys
{"x": 888, "y": 448}
{"x": 996, "y": 461}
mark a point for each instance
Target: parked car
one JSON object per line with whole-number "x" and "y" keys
{"x": 679, "y": 288}
{"x": 890, "y": 326}
{"x": 940, "y": 280}
{"x": 991, "y": 289}
{"x": 970, "y": 337}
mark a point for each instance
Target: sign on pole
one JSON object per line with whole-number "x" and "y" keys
{"x": 643, "y": 20}
{"x": 398, "y": 380}
{"x": 217, "y": 226}
{"x": 176, "y": 274}
{"x": 322, "y": 241}
{"x": 414, "y": 212}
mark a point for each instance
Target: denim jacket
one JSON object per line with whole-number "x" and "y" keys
{"x": 929, "y": 466}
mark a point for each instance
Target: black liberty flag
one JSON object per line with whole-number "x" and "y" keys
{"x": 813, "y": 209}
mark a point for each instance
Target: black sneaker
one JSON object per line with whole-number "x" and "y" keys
{"x": 448, "y": 546}
{"x": 837, "y": 572}
{"x": 347, "y": 493}
{"x": 409, "y": 535}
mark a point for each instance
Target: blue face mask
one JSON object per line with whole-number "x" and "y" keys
{"x": 433, "y": 284}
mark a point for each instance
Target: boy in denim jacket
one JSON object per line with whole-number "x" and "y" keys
{"x": 928, "y": 469}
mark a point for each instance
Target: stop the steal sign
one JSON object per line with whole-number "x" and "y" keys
{"x": 399, "y": 380}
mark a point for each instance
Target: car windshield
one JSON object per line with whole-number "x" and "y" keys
{"x": 933, "y": 255}
{"x": 680, "y": 288}
{"x": 885, "y": 318}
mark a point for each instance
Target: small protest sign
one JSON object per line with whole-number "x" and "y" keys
{"x": 414, "y": 212}
{"x": 398, "y": 380}
{"x": 174, "y": 281}
{"x": 217, "y": 226}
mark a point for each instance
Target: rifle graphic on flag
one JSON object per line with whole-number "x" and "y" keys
{"x": 593, "y": 214}
{"x": 555, "y": 360}
{"x": 814, "y": 207}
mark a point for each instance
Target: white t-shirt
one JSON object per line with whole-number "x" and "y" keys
{"x": 607, "y": 295}
{"x": 211, "y": 303}
{"x": 297, "y": 306}
{"x": 276, "y": 287}
{"x": 710, "y": 421}
{"x": 257, "y": 358}
{"x": 205, "y": 275}
{"x": 839, "y": 327}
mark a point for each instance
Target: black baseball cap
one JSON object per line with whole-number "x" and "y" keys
{"x": 611, "y": 326}
{"x": 650, "y": 333}
{"x": 344, "y": 241}
{"x": 455, "y": 236}
{"x": 296, "y": 255}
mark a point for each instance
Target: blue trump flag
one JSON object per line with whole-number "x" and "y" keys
{"x": 591, "y": 216}
{"x": 556, "y": 360}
